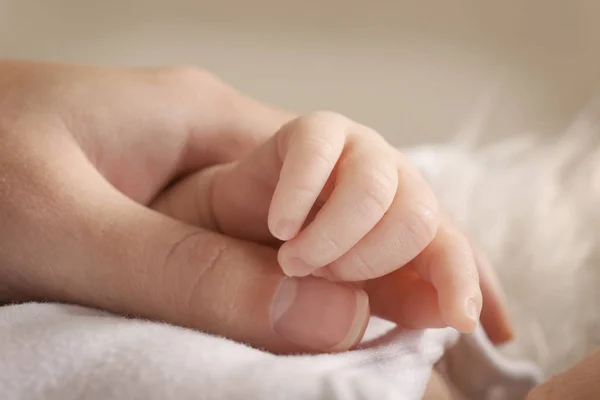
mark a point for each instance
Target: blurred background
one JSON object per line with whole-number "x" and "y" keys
{"x": 414, "y": 70}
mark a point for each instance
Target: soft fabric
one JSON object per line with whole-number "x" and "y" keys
{"x": 532, "y": 204}
{"x": 51, "y": 351}
{"x": 62, "y": 352}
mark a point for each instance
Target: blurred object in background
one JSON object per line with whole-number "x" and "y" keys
{"x": 415, "y": 70}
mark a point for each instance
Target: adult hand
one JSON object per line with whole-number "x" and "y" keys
{"x": 84, "y": 152}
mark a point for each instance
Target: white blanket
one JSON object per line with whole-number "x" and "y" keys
{"x": 61, "y": 352}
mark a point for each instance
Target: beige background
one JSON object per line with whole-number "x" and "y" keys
{"x": 415, "y": 70}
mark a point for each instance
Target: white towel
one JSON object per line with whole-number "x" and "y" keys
{"x": 62, "y": 352}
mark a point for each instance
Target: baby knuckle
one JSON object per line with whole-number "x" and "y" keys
{"x": 375, "y": 200}
{"x": 362, "y": 270}
{"x": 379, "y": 187}
{"x": 461, "y": 248}
{"x": 422, "y": 221}
{"x": 197, "y": 81}
{"x": 373, "y": 137}
{"x": 187, "y": 74}
{"x": 322, "y": 150}
{"x": 313, "y": 136}
{"x": 326, "y": 117}
{"x": 314, "y": 139}
{"x": 321, "y": 124}
{"x": 326, "y": 239}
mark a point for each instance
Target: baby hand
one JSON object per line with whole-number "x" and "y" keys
{"x": 373, "y": 213}
{"x": 348, "y": 207}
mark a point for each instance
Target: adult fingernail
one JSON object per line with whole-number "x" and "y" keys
{"x": 296, "y": 267}
{"x": 318, "y": 314}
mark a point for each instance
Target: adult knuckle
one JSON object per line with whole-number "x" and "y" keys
{"x": 191, "y": 261}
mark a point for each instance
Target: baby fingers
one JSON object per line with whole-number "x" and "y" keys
{"x": 309, "y": 148}
{"x": 448, "y": 263}
{"x": 364, "y": 182}
{"x": 408, "y": 227}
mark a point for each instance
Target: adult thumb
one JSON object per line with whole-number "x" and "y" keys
{"x": 142, "y": 263}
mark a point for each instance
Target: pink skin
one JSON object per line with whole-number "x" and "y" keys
{"x": 373, "y": 213}
{"x": 160, "y": 193}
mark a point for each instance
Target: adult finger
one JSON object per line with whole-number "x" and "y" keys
{"x": 401, "y": 296}
{"x": 106, "y": 251}
{"x": 397, "y": 296}
{"x": 223, "y": 124}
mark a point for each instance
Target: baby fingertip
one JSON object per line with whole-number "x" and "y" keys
{"x": 284, "y": 229}
{"x": 295, "y": 267}
{"x": 472, "y": 310}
